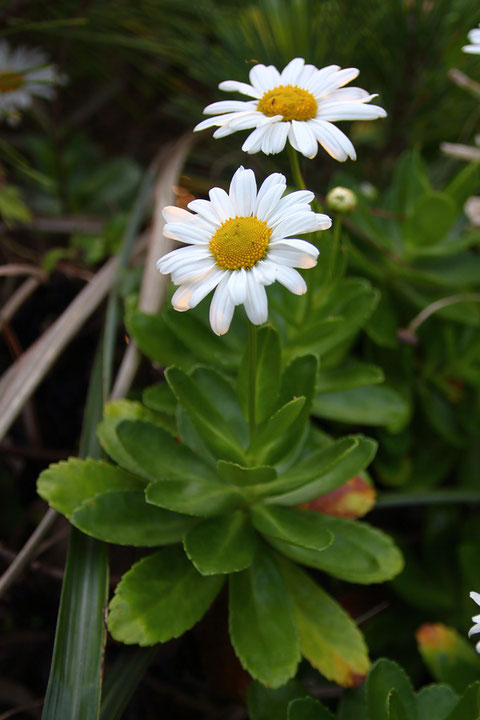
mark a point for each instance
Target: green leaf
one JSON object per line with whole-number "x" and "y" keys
{"x": 116, "y": 413}
{"x": 353, "y": 705}
{"x": 224, "y": 544}
{"x": 125, "y": 518}
{"x": 359, "y": 553}
{"x": 157, "y": 341}
{"x": 299, "y": 527}
{"x": 266, "y": 443}
{"x": 329, "y": 638}
{"x": 410, "y": 181}
{"x": 449, "y": 656}
{"x": 194, "y": 495}
{"x": 123, "y": 679}
{"x": 371, "y": 405}
{"x": 432, "y": 218}
{"x": 160, "y": 598}
{"x": 463, "y": 185}
{"x": 469, "y": 705}
{"x": 67, "y": 484}
{"x": 245, "y": 477}
{"x": 385, "y": 676}
{"x": 262, "y": 627}
{"x": 264, "y": 703}
{"x": 308, "y": 709}
{"x": 435, "y": 701}
{"x": 207, "y": 418}
{"x": 200, "y": 341}
{"x": 323, "y": 471}
{"x": 349, "y": 376}
{"x": 267, "y": 381}
{"x": 383, "y": 323}
{"x": 160, "y": 397}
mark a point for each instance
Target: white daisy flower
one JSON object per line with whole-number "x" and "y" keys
{"x": 474, "y": 37}
{"x": 239, "y": 242}
{"x": 24, "y": 72}
{"x": 300, "y": 105}
{"x": 476, "y": 619}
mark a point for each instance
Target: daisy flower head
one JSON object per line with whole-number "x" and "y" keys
{"x": 238, "y": 243}
{"x": 475, "y": 619}
{"x": 474, "y": 37}
{"x": 24, "y": 72}
{"x": 300, "y": 104}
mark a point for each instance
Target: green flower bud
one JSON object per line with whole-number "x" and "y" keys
{"x": 341, "y": 200}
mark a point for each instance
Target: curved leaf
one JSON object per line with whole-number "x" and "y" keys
{"x": 224, "y": 544}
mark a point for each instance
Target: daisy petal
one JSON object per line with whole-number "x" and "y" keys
{"x": 206, "y": 210}
{"x": 241, "y": 87}
{"x": 302, "y": 139}
{"x": 291, "y": 279}
{"x": 475, "y": 597}
{"x": 188, "y": 296}
{"x": 243, "y": 191}
{"x": 237, "y": 286}
{"x": 294, "y": 253}
{"x": 292, "y": 71}
{"x": 228, "y": 106}
{"x": 271, "y": 181}
{"x": 333, "y": 140}
{"x": 350, "y": 111}
{"x": 253, "y": 143}
{"x": 256, "y": 305}
{"x": 191, "y": 233}
{"x": 171, "y": 213}
{"x": 222, "y": 203}
{"x": 269, "y": 200}
{"x": 221, "y": 308}
{"x": 264, "y": 78}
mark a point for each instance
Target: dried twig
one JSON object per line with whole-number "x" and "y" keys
{"x": 14, "y": 269}
{"x": 16, "y": 300}
{"x": 461, "y": 152}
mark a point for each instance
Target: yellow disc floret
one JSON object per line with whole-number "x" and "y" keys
{"x": 289, "y": 101}
{"x": 10, "y": 81}
{"x": 240, "y": 242}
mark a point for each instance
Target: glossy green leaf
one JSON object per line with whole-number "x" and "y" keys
{"x": 262, "y": 627}
{"x": 206, "y": 416}
{"x": 431, "y": 219}
{"x": 396, "y": 709}
{"x": 308, "y": 709}
{"x": 125, "y": 518}
{"x": 349, "y": 376}
{"x": 223, "y": 544}
{"x": 67, "y": 484}
{"x": 435, "y": 701}
{"x": 468, "y": 705}
{"x": 385, "y": 676}
{"x": 372, "y": 405}
{"x": 353, "y": 705}
{"x": 157, "y": 341}
{"x": 194, "y": 495}
{"x": 323, "y": 471}
{"x": 157, "y": 454}
{"x": 160, "y": 598}
{"x": 299, "y": 527}
{"x": 200, "y": 341}
{"x": 359, "y": 553}
{"x": 268, "y": 375}
{"x": 159, "y": 397}
{"x": 264, "y": 703}
{"x": 245, "y": 477}
{"x": 329, "y": 638}
{"x": 266, "y": 443}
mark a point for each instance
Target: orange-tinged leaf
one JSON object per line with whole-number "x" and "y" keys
{"x": 353, "y": 499}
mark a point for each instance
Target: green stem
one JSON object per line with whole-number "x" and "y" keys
{"x": 295, "y": 168}
{"x": 337, "y": 229}
{"x": 252, "y": 377}
{"x": 436, "y": 497}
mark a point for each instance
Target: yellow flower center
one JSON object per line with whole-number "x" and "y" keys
{"x": 10, "y": 81}
{"x": 240, "y": 242}
{"x": 290, "y": 101}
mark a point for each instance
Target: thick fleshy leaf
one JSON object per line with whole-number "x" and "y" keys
{"x": 262, "y": 626}
{"x": 125, "y": 518}
{"x": 117, "y": 412}
{"x": 267, "y": 380}
{"x": 299, "y": 527}
{"x": 359, "y": 553}
{"x": 264, "y": 703}
{"x": 329, "y": 638}
{"x": 353, "y": 704}
{"x": 435, "y": 701}
{"x": 156, "y": 340}
{"x": 449, "y": 656}
{"x": 159, "y": 397}
{"x": 271, "y": 436}
{"x": 245, "y": 477}
{"x": 323, "y": 471}
{"x": 207, "y": 417}
{"x": 308, "y": 709}
{"x": 199, "y": 340}
{"x": 385, "y": 676}
{"x": 157, "y": 454}
{"x": 194, "y": 495}
{"x": 160, "y": 598}
{"x": 347, "y": 377}
{"x": 468, "y": 705}
{"x": 223, "y": 544}
{"x": 67, "y": 484}
{"x": 371, "y": 405}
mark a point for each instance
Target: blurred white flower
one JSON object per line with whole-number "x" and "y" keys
{"x": 472, "y": 210}
{"x": 474, "y": 37}
{"x": 299, "y": 104}
{"x": 239, "y": 242}
{"x": 24, "y": 72}
{"x": 475, "y": 619}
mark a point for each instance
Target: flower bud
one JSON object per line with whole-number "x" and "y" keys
{"x": 341, "y": 200}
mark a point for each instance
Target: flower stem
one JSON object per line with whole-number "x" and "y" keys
{"x": 252, "y": 377}
{"x": 295, "y": 168}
